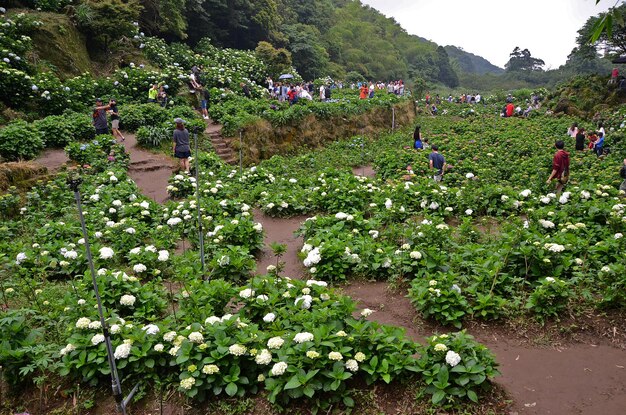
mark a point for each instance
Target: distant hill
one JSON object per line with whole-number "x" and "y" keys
{"x": 469, "y": 63}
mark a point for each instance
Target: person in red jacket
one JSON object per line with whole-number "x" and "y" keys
{"x": 560, "y": 166}
{"x": 509, "y": 109}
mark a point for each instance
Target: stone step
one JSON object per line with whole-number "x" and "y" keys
{"x": 149, "y": 165}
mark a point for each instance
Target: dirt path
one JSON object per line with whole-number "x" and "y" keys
{"x": 149, "y": 170}
{"x": 573, "y": 379}
{"x": 281, "y": 231}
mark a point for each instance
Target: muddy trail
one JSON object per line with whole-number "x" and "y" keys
{"x": 149, "y": 170}
{"x": 586, "y": 377}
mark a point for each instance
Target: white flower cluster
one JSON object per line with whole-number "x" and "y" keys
{"x": 303, "y": 337}
{"x": 554, "y": 247}
{"x": 237, "y": 350}
{"x": 264, "y": 357}
{"x": 453, "y": 358}
{"x": 546, "y": 223}
{"x": 278, "y": 369}
{"x": 127, "y": 300}
{"x": 312, "y": 258}
{"x": 123, "y": 350}
{"x": 306, "y": 301}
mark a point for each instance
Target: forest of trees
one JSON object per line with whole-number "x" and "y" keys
{"x": 343, "y": 39}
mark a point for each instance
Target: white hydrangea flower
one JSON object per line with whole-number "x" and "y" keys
{"x": 264, "y": 357}
{"x": 106, "y": 253}
{"x": 71, "y": 254}
{"x": 67, "y": 349}
{"x": 440, "y": 347}
{"x": 278, "y": 369}
{"x": 139, "y": 268}
{"x": 352, "y": 365}
{"x": 151, "y": 329}
{"x": 453, "y": 358}
{"x": 275, "y": 343}
{"x": 169, "y": 336}
{"x": 122, "y": 351}
{"x": 269, "y": 317}
{"x": 210, "y": 369}
{"x": 237, "y": 350}
{"x": 97, "y": 339}
{"x": 195, "y": 337}
{"x": 82, "y": 323}
{"x": 303, "y": 337}
{"x": 366, "y": 312}
{"x": 187, "y": 383}
{"x": 336, "y": 356}
{"x": 212, "y": 320}
{"x": 305, "y": 300}
{"x": 247, "y": 293}
{"x": 128, "y": 300}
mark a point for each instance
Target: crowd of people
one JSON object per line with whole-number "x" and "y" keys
{"x": 589, "y": 140}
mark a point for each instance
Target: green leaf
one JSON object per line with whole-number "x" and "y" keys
{"x": 293, "y": 383}
{"x": 443, "y": 375}
{"x": 149, "y": 363}
{"x": 231, "y": 389}
{"x": 348, "y": 401}
{"x": 438, "y": 396}
{"x": 472, "y": 396}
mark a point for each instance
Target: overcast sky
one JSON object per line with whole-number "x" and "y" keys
{"x": 492, "y": 28}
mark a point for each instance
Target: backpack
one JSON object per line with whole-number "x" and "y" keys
{"x": 622, "y": 172}
{"x": 564, "y": 176}
{"x": 327, "y": 92}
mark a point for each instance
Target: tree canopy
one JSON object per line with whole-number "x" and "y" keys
{"x": 522, "y": 60}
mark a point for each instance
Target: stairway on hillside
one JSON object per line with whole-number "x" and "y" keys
{"x": 221, "y": 144}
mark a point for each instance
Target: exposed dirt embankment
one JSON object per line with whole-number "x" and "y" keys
{"x": 261, "y": 140}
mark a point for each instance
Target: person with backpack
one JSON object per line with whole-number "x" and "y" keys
{"x": 560, "y": 167}
{"x": 327, "y": 92}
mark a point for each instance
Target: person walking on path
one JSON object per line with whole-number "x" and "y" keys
{"x": 560, "y": 167}
{"x": 437, "y": 163}
{"x": 115, "y": 119}
{"x": 204, "y": 100}
{"x": 180, "y": 147}
{"x": 99, "y": 116}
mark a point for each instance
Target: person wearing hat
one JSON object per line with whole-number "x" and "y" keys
{"x": 181, "y": 148}
{"x": 115, "y": 119}
{"x": 99, "y": 116}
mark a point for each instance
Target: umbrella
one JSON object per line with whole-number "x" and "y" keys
{"x": 286, "y": 76}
